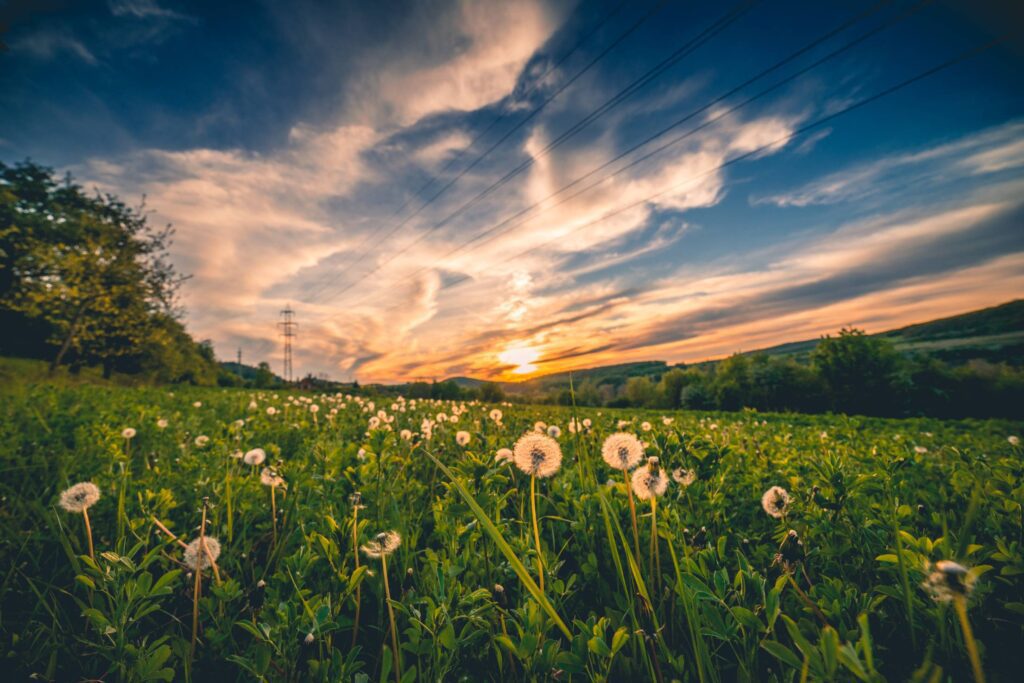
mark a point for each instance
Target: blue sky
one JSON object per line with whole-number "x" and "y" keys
{"x": 295, "y": 145}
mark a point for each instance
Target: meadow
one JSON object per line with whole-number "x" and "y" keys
{"x": 260, "y": 535}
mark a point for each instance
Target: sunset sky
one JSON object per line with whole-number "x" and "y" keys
{"x": 395, "y": 170}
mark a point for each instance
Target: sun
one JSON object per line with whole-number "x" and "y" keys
{"x": 520, "y": 356}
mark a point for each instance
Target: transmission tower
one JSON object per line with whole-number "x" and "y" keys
{"x": 288, "y": 327}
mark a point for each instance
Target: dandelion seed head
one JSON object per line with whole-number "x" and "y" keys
{"x": 774, "y": 501}
{"x": 254, "y": 457}
{"x": 270, "y": 477}
{"x": 128, "y": 433}
{"x": 195, "y": 558}
{"x": 80, "y": 497}
{"x": 1013, "y": 440}
{"x": 202, "y": 440}
{"x": 382, "y": 545}
{"x": 684, "y": 477}
{"x": 622, "y": 451}
{"x": 649, "y": 480}
{"x": 496, "y": 415}
{"x": 949, "y": 580}
{"x": 538, "y": 455}
{"x": 646, "y": 426}
{"x": 554, "y": 431}
{"x": 162, "y": 423}
{"x": 462, "y": 438}
{"x": 503, "y": 455}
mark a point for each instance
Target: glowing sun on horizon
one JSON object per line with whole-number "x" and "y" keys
{"x": 520, "y": 356}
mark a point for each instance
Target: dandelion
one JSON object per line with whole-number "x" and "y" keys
{"x": 539, "y": 456}
{"x": 645, "y": 426}
{"x": 649, "y": 481}
{"x": 374, "y": 422}
{"x": 383, "y": 545}
{"x": 271, "y": 410}
{"x": 503, "y": 455}
{"x": 406, "y": 435}
{"x": 162, "y": 423}
{"x": 622, "y": 451}
{"x": 1013, "y": 440}
{"x": 78, "y": 499}
{"x": 952, "y": 582}
{"x": 496, "y": 415}
{"x": 202, "y": 440}
{"x": 667, "y": 420}
{"x": 920, "y": 450}
{"x": 314, "y": 409}
{"x": 586, "y": 423}
{"x": 197, "y": 404}
{"x": 255, "y": 457}
{"x": 554, "y": 431}
{"x": 775, "y": 501}
{"x": 540, "y": 427}
{"x": 684, "y": 477}
{"x": 462, "y": 438}
{"x": 271, "y": 479}
{"x": 128, "y": 433}
{"x": 237, "y": 455}
{"x": 198, "y": 558}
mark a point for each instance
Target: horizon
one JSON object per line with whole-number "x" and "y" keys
{"x": 298, "y": 153}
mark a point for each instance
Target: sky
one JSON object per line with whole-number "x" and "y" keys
{"x": 500, "y": 189}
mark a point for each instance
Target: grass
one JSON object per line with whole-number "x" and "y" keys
{"x": 721, "y": 592}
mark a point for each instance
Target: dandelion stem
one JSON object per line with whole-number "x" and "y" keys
{"x": 632, "y": 514}
{"x": 359, "y": 586}
{"x": 960, "y": 603}
{"x": 197, "y": 587}
{"x": 391, "y": 616}
{"x": 655, "y": 557}
{"x": 273, "y": 518}
{"x": 536, "y": 531}
{"x": 88, "y": 533}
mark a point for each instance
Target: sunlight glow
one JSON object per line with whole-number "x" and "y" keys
{"x": 520, "y": 356}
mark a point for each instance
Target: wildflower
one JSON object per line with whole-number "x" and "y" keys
{"x": 646, "y": 426}
{"x": 202, "y": 440}
{"x": 462, "y": 438}
{"x": 540, "y": 427}
{"x": 374, "y": 422}
{"x": 586, "y": 423}
{"x": 774, "y": 501}
{"x": 649, "y": 481}
{"x": 1014, "y": 440}
{"x": 667, "y": 420}
{"x": 405, "y": 434}
{"x": 270, "y": 477}
{"x": 196, "y": 559}
{"x": 237, "y": 455}
{"x": 314, "y": 409}
{"x": 622, "y": 451}
{"x": 254, "y": 457}
{"x": 791, "y": 552}
{"x": 920, "y": 450}
{"x": 684, "y": 477}
{"x": 162, "y": 423}
{"x": 128, "y": 433}
{"x": 949, "y": 580}
{"x": 383, "y": 545}
{"x": 537, "y": 454}
{"x": 503, "y": 455}
{"x": 197, "y": 404}
{"x": 80, "y": 497}
{"x": 496, "y": 415}
{"x": 554, "y": 431}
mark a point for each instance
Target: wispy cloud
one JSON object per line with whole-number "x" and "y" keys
{"x": 52, "y": 43}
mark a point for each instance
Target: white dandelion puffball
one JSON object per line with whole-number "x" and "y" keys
{"x": 269, "y": 477}
{"x": 254, "y": 457}
{"x": 382, "y": 545}
{"x": 271, "y": 410}
{"x": 1013, "y": 440}
{"x": 314, "y": 408}
{"x": 948, "y": 580}
{"x": 537, "y": 454}
{"x": 80, "y": 497}
{"x": 649, "y": 481}
{"x": 195, "y": 558}
{"x": 496, "y": 415}
{"x": 202, "y": 440}
{"x": 128, "y": 433}
{"x": 554, "y": 431}
{"x": 646, "y": 426}
{"x": 920, "y": 450}
{"x": 197, "y": 404}
{"x": 586, "y": 423}
{"x": 237, "y": 455}
{"x": 683, "y": 477}
{"x": 406, "y": 435}
{"x": 667, "y": 420}
{"x": 462, "y": 438}
{"x": 374, "y": 422}
{"x": 622, "y": 451}
{"x": 162, "y": 423}
{"x": 503, "y": 455}
{"x": 540, "y": 427}
{"x": 774, "y": 501}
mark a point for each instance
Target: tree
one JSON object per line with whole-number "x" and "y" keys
{"x": 670, "y": 386}
{"x": 859, "y": 372}
{"x": 264, "y": 377}
{"x": 641, "y": 392}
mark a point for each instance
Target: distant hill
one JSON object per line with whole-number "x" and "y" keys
{"x": 993, "y": 334}
{"x": 246, "y": 372}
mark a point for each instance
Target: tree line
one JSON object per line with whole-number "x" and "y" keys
{"x": 85, "y": 280}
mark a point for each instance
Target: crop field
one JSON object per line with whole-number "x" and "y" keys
{"x": 219, "y": 535}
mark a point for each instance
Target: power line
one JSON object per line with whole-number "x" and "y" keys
{"x": 615, "y": 43}
{"x": 961, "y": 57}
{"x": 508, "y": 224}
{"x": 690, "y": 46}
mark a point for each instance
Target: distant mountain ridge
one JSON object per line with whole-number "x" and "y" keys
{"x": 995, "y": 334}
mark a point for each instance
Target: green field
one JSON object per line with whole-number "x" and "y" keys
{"x": 710, "y": 587}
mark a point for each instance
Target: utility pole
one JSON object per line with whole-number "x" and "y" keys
{"x": 288, "y": 327}
{"x": 238, "y": 370}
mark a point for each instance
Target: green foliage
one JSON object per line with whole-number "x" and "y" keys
{"x": 873, "y": 501}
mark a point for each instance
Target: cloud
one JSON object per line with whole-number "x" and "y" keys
{"x": 47, "y": 44}
{"x": 143, "y": 9}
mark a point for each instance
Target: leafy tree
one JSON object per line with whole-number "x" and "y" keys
{"x": 859, "y": 371}
{"x": 641, "y": 392}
